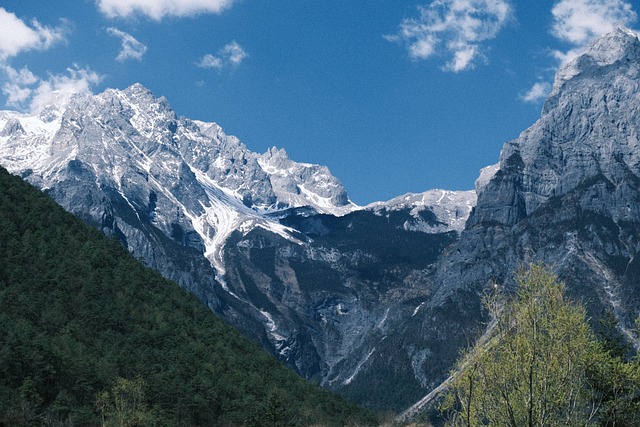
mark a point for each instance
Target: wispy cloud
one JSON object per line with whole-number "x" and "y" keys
{"x": 59, "y": 87}
{"x": 578, "y": 22}
{"x": 232, "y": 54}
{"x": 23, "y": 89}
{"x": 16, "y": 36}
{"x": 131, "y": 48}
{"x": 210, "y": 61}
{"x": 538, "y": 92}
{"x": 17, "y": 87}
{"x": 456, "y": 28}
{"x": 158, "y": 9}
{"x": 26, "y": 91}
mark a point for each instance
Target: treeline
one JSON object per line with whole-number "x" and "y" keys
{"x": 88, "y": 336}
{"x": 542, "y": 365}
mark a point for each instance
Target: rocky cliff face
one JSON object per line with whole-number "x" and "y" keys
{"x": 566, "y": 192}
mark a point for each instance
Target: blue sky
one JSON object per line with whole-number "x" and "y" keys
{"x": 394, "y": 96}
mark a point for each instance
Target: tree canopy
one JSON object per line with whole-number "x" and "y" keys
{"x": 89, "y": 336}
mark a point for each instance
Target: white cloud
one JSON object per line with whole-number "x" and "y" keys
{"x": 16, "y": 36}
{"x": 58, "y": 88}
{"x": 210, "y": 61}
{"x": 131, "y": 48}
{"x": 16, "y": 88}
{"x": 538, "y": 92}
{"x": 24, "y": 90}
{"x": 564, "y": 57}
{"x": 578, "y": 22}
{"x": 232, "y": 54}
{"x": 457, "y": 27}
{"x": 462, "y": 58}
{"x": 158, "y": 9}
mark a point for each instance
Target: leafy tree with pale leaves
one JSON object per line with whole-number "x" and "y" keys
{"x": 533, "y": 367}
{"x": 125, "y": 406}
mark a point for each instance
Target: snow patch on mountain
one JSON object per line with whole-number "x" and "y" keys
{"x": 226, "y": 214}
{"x": 451, "y": 209}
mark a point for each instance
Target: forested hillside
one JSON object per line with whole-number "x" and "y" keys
{"x": 88, "y": 336}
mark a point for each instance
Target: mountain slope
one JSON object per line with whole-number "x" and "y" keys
{"x": 273, "y": 246}
{"x": 565, "y": 193}
{"x": 374, "y": 302}
{"x": 78, "y": 312}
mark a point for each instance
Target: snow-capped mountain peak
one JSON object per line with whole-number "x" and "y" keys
{"x": 303, "y": 184}
{"x": 188, "y": 176}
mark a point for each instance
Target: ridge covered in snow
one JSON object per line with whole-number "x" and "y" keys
{"x": 451, "y": 209}
{"x": 134, "y": 143}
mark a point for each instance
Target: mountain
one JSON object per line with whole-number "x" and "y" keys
{"x": 274, "y": 246}
{"x": 87, "y": 333}
{"x": 194, "y": 182}
{"x": 566, "y": 193}
{"x": 376, "y": 301}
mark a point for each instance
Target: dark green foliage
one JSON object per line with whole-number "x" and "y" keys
{"x": 79, "y": 317}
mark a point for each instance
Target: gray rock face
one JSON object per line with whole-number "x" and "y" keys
{"x": 338, "y": 304}
{"x": 567, "y": 192}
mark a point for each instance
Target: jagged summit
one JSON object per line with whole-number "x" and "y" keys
{"x": 189, "y": 176}
{"x": 566, "y": 192}
{"x": 450, "y": 208}
{"x": 141, "y": 124}
{"x": 588, "y": 127}
{"x": 619, "y": 48}
{"x": 614, "y": 46}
